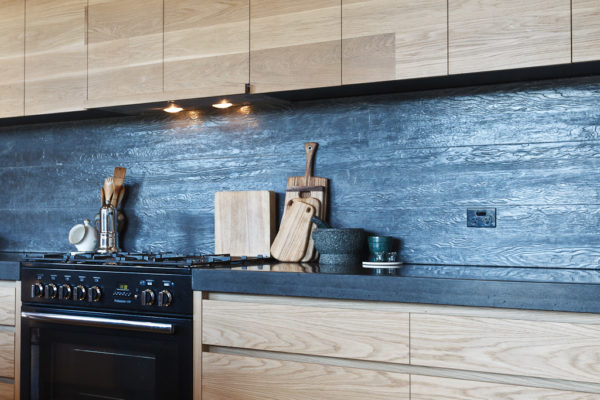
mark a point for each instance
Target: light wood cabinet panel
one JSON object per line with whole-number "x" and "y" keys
{"x": 243, "y": 378}
{"x": 335, "y": 332}
{"x": 294, "y": 44}
{"x": 517, "y": 347}
{"x": 55, "y": 56}
{"x": 7, "y": 353}
{"x": 206, "y": 47}
{"x": 586, "y": 30}
{"x": 502, "y": 34}
{"x": 435, "y": 388}
{"x": 7, "y": 391}
{"x": 393, "y": 39}
{"x": 12, "y": 54}
{"x": 7, "y": 305}
{"x": 125, "y": 51}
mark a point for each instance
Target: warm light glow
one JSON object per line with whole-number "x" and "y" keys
{"x": 222, "y": 104}
{"x": 245, "y": 110}
{"x": 173, "y": 108}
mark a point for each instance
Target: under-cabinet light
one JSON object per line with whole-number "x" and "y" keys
{"x": 222, "y": 104}
{"x": 172, "y": 108}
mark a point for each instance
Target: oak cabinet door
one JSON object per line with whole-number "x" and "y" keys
{"x": 206, "y": 47}
{"x": 586, "y": 30}
{"x": 487, "y": 35}
{"x": 435, "y": 388}
{"x": 294, "y": 44}
{"x": 7, "y": 391}
{"x": 125, "y": 51}
{"x": 12, "y": 53}
{"x": 7, "y": 353}
{"x": 234, "y": 377}
{"x": 55, "y": 56}
{"x": 393, "y": 39}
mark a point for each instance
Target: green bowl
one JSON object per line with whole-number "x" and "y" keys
{"x": 380, "y": 244}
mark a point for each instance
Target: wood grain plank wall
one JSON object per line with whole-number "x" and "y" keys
{"x": 407, "y": 165}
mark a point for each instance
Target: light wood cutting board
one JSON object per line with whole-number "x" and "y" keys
{"x": 291, "y": 240}
{"x": 309, "y": 185}
{"x": 245, "y": 223}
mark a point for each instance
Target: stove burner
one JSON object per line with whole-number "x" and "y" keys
{"x": 142, "y": 259}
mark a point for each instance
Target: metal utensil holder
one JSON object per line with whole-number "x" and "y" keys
{"x": 109, "y": 236}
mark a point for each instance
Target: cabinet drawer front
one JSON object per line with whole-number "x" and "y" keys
{"x": 7, "y": 353}
{"x": 241, "y": 378}
{"x": 7, "y": 391}
{"x": 7, "y": 306}
{"x": 434, "y": 388}
{"x": 334, "y": 332}
{"x": 531, "y": 348}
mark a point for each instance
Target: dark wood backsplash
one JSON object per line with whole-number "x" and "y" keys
{"x": 406, "y": 165}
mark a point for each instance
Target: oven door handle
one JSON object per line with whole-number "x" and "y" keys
{"x": 97, "y": 322}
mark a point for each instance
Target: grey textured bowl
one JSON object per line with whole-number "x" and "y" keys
{"x": 339, "y": 245}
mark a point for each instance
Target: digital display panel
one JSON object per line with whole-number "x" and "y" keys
{"x": 123, "y": 286}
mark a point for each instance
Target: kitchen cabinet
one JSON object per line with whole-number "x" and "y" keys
{"x": 55, "y": 56}
{"x": 294, "y": 44}
{"x": 436, "y": 388}
{"x": 206, "y": 47}
{"x": 274, "y": 347}
{"x": 586, "y": 30}
{"x": 12, "y": 84}
{"x": 393, "y": 39}
{"x": 10, "y": 309}
{"x": 485, "y": 35}
{"x": 240, "y": 377}
{"x": 125, "y": 52}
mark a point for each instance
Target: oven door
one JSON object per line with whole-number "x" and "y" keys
{"x": 86, "y": 355}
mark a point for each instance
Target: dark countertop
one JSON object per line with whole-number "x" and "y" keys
{"x": 517, "y": 288}
{"x": 9, "y": 266}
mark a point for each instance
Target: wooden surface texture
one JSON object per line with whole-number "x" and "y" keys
{"x": 393, "y": 39}
{"x": 56, "y": 56}
{"x": 334, "y": 332}
{"x": 294, "y": 44}
{"x": 436, "y": 388}
{"x": 206, "y": 47}
{"x": 7, "y": 391}
{"x": 586, "y": 30}
{"x": 125, "y": 50}
{"x": 7, "y": 352}
{"x": 7, "y": 305}
{"x": 12, "y": 48}
{"x": 240, "y": 378}
{"x": 531, "y": 348}
{"x": 486, "y": 35}
{"x": 245, "y": 223}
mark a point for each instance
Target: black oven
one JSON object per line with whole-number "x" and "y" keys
{"x": 70, "y": 354}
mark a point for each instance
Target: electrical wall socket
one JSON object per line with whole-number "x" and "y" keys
{"x": 481, "y": 217}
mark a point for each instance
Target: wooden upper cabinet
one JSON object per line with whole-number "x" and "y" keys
{"x": 125, "y": 51}
{"x": 206, "y": 47}
{"x": 294, "y": 44}
{"x": 55, "y": 56}
{"x": 12, "y": 29}
{"x": 586, "y": 30}
{"x": 487, "y": 35}
{"x": 393, "y": 39}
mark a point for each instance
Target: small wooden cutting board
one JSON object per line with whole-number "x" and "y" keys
{"x": 292, "y": 239}
{"x": 310, "y": 253}
{"x": 309, "y": 185}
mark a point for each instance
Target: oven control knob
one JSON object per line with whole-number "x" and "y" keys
{"x": 37, "y": 290}
{"x": 64, "y": 292}
{"x": 148, "y": 297}
{"x": 94, "y": 294}
{"x": 51, "y": 291}
{"x": 165, "y": 298}
{"x": 80, "y": 293}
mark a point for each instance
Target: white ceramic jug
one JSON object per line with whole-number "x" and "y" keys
{"x": 84, "y": 237}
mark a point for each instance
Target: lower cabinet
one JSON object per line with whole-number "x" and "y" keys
{"x": 436, "y": 388}
{"x": 10, "y": 308}
{"x": 235, "y": 377}
{"x": 283, "y": 348}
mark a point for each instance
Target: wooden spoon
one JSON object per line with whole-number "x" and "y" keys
{"x": 109, "y": 188}
{"x": 102, "y": 198}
